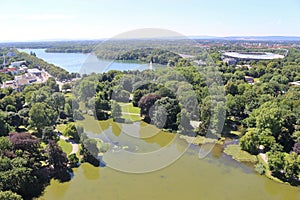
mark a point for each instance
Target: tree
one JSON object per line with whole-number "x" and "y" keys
{"x": 116, "y": 110}
{"x": 90, "y": 151}
{"x": 59, "y": 100}
{"x": 41, "y": 115}
{"x": 249, "y": 142}
{"x": 166, "y": 92}
{"x": 24, "y": 141}
{"x": 184, "y": 122}
{"x": 164, "y": 114}
{"x": 72, "y": 131}
{"x": 56, "y": 157}
{"x": 121, "y": 96}
{"x": 66, "y": 86}
{"x": 73, "y": 160}
{"x": 5, "y": 195}
{"x": 48, "y": 133}
{"x": 231, "y": 88}
{"x": 145, "y": 103}
{"x": 3, "y": 124}
{"x": 254, "y": 138}
{"x": 276, "y": 161}
{"x": 137, "y": 95}
{"x": 13, "y": 119}
{"x": 5, "y": 145}
{"x": 51, "y": 83}
{"x": 235, "y": 105}
{"x": 291, "y": 166}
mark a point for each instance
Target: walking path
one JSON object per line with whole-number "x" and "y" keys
{"x": 264, "y": 157}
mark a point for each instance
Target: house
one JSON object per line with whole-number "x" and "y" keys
{"x": 10, "y": 84}
{"x": 35, "y": 72}
{"x": 230, "y": 61}
{"x": 249, "y": 79}
{"x": 18, "y": 63}
{"x": 12, "y": 70}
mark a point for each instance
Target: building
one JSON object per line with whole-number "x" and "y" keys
{"x": 18, "y": 63}
{"x": 249, "y": 79}
{"x": 252, "y": 56}
{"x": 11, "y": 70}
{"x": 10, "y": 84}
{"x": 35, "y": 72}
{"x": 230, "y": 61}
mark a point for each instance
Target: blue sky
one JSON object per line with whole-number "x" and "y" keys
{"x": 91, "y": 19}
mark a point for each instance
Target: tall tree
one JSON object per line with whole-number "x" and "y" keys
{"x": 41, "y": 115}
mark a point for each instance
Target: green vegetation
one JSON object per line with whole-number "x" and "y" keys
{"x": 238, "y": 154}
{"x": 260, "y": 168}
{"x": 264, "y": 116}
{"x": 65, "y": 146}
{"x": 129, "y": 108}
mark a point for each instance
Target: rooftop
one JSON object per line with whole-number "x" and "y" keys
{"x": 253, "y": 55}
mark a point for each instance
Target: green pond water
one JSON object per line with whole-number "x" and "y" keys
{"x": 216, "y": 177}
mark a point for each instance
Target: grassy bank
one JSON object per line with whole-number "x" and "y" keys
{"x": 238, "y": 154}
{"x": 199, "y": 140}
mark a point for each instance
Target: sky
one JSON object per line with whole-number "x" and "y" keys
{"x": 34, "y": 20}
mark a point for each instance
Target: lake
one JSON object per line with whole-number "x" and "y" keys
{"x": 216, "y": 177}
{"x": 85, "y": 63}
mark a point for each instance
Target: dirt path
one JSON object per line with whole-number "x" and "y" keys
{"x": 264, "y": 157}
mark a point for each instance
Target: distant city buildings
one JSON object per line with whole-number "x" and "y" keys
{"x": 26, "y": 77}
{"x": 252, "y": 56}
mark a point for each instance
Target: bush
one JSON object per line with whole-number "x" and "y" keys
{"x": 260, "y": 168}
{"x": 73, "y": 160}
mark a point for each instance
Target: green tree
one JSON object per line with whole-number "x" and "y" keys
{"x": 116, "y": 110}
{"x": 292, "y": 166}
{"x": 276, "y": 161}
{"x": 58, "y": 100}
{"x": 48, "y": 133}
{"x": 72, "y": 131}
{"x": 41, "y": 115}
{"x": 249, "y": 142}
{"x": 9, "y": 195}
{"x": 3, "y": 125}
{"x": 73, "y": 160}
{"x": 5, "y": 145}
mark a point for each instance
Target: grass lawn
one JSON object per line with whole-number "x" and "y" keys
{"x": 129, "y": 108}
{"x": 256, "y": 80}
{"x": 199, "y": 140}
{"x": 66, "y": 147}
{"x": 130, "y": 112}
{"x": 61, "y": 127}
{"x": 238, "y": 154}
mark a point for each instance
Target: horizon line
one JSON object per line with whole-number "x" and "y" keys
{"x": 171, "y": 37}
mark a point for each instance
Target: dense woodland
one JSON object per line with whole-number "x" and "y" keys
{"x": 266, "y": 113}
